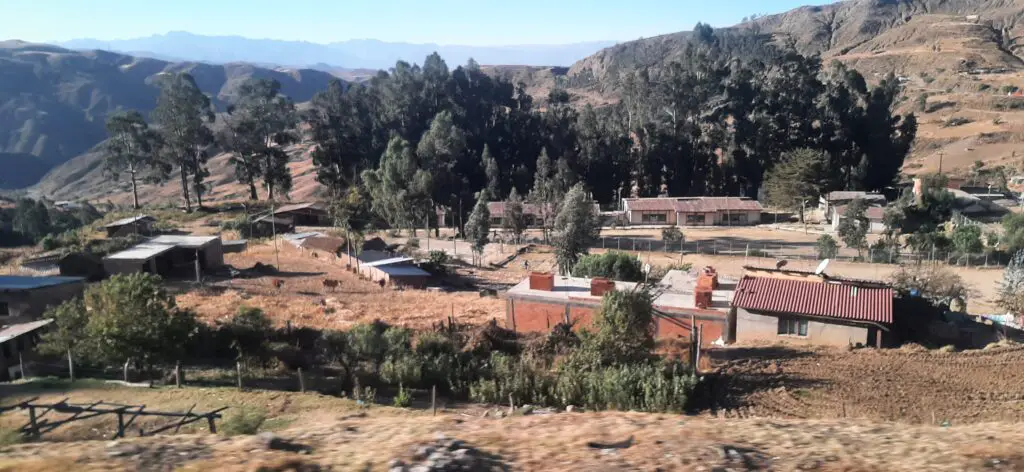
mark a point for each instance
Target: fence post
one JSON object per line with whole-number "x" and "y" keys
{"x": 238, "y": 372}
{"x": 618, "y": 243}
{"x": 32, "y": 428}
{"x": 433, "y": 400}
{"x": 177, "y": 374}
{"x": 210, "y": 422}
{"x": 634, "y": 244}
{"x": 71, "y": 367}
{"x": 126, "y": 370}
{"x": 302, "y": 380}
{"x": 986, "y": 260}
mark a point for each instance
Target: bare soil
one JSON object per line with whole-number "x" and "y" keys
{"x": 304, "y": 302}
{"x": 906, "y": 385}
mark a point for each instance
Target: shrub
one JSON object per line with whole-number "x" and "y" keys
{"x": 613, "y": 265}
{"x": 413, "y": 243}
{"x": 672, "y": 235}
{"x": 659, "y": 272}
{"x": 403, "y": 399}
{"x": 437, "y": 262}
{"x": 827, "y": 247}
{"x": 884, "y": 251}
{"x": 246, "y": 420}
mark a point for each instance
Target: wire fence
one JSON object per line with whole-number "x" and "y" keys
{"x": 799, "y": 251}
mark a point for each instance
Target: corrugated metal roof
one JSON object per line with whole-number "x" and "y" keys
{"x": 403, "y": 271}
{"x": 10, "y": 332}
{"x": 384, "y": 262}
{"x": 832, "y": 300}
{"x": 318, "y": 206}
{"x": 141, "y": 252}
{"x": 693, "y": 204}
{"x": 872, "y": 213}
{"x": 131, "y": 220}
{"x": 188, "y": 242}
{"x": 24, "y": 282}
{"x": 853, "y": 195}
{"x": 324, "y": 243}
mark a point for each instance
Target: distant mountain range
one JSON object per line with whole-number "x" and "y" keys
{"x": 353, "y": 54}
{"x": 54, "y": 101}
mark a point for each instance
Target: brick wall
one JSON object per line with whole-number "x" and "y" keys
{"x": 539, "y": 316}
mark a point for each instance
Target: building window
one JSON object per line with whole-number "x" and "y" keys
{"x": 654, "y": 218}
{"x": 792, "y": 327}
{"x": 5, "y": 309}
{"x": 695, "y": 219}
{"x": 737, "y": 218}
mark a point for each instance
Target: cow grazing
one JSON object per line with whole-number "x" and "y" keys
{"x": 331, "y": 284}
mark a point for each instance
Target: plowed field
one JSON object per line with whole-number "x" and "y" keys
{"x": 909, "y": 385}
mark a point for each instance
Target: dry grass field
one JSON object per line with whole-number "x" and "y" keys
{"x": 344, "y": 437}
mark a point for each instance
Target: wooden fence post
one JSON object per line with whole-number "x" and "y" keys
{"x": 210, "y": 422}
{"x": 238, "y": 371}
{"x": 177, "y": 374}
{"x": 302, "y": 378}
{"x": 433, "y": 400}
{"x": 33, "y": 430}
{"x": 126, "y": 370}
{"x": 21, "y": 365}
{"x": 120, "y": 424}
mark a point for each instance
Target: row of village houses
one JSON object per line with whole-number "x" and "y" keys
{"x": 774, "y": 305}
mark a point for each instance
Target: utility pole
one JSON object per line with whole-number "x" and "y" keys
{"x": 273, "y": 232}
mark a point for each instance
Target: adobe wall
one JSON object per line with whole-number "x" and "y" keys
{"x": 764, "y": 327}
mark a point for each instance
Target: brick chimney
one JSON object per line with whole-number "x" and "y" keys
{"x": 702, "y": 297}
{"x": 542, "y": 281}
{"x": 707, "y": 278}
{"x": 600, "y": 286}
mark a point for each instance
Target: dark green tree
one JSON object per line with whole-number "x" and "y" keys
{"x": 132, "y": 148}
{"x": 264, "y": 122}
{"x": 182, "y": 113}
{"x": 797, "y": 181}
{"x": 399, "y": 188}
{"x": 68, "y": 332}
{"x": 478, "y": 226}
{"x": 514, "y": 219}
{"x": 576, "y": 228}
{"x": 853, "y": 226}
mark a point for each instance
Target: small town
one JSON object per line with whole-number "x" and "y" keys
{"x": 787, "y": 241}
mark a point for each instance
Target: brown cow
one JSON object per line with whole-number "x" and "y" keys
{"x": 331, "y": 284}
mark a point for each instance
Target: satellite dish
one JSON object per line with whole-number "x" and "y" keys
{"x": 821, "y": 267}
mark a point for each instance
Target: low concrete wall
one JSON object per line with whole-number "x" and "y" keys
{"x": 764, "y": 327}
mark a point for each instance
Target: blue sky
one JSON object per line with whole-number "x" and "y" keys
{"x": 468, "y": 22}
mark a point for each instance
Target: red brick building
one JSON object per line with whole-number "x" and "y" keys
{"x": 543, "y": 300}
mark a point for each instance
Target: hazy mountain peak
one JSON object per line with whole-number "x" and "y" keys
{"x": 353, "y": 54}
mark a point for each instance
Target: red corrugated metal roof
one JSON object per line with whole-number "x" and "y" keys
{"x": 833, "y": 300}
{"x": 693, "y": 204}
